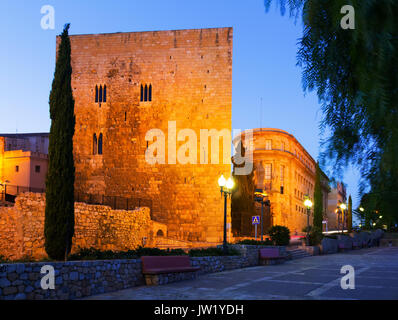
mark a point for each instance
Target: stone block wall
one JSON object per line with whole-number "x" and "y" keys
{"x": 22, "y": 228}
{"x": 74, "y": 279}
{"x": 190, "y": 73}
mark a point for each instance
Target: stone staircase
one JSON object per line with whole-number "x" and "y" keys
{"x": 296, "y": 253}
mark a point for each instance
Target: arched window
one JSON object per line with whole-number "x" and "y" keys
{"x": 100, "y": 144}
{"x": 160, "y": 233}
{"x": 104, "y": 93}
{"x": 96, "y": 93}
{"x": 150, "y": 93}
{"x": 95, "y": 144}
{"x": 142, "y": 93}
{"x": 100, "y": 94}
{"x": 146, "y": 93}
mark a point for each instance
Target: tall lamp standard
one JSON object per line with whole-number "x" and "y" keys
{"x": 343, "y": 207}
{"x": 260, "y": 196}
{"x": 226, "y": 187}
{"x": 308, "y": 204}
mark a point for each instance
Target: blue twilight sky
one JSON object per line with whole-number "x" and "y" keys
{"x": 264, "y": 59}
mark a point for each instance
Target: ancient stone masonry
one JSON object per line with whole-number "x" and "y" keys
{"x": 22, "y": 228}
{"x": 153, "y": 80}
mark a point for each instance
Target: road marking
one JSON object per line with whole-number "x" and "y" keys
{"x": 331, "y": 284}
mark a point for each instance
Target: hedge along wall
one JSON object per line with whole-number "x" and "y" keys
{"x": 75, "y": 279}
{"x": 22, "y": 228}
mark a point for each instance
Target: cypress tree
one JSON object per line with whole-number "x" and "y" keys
{"x": 349, "y": 214}
{"x": 59, "y": 217}
{"x": 318, "y": 203}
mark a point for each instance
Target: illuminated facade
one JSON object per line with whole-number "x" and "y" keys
{"x": 286, "y": 171}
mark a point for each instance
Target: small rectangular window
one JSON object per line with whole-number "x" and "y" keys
{"x": 16, "y": 168}
{"x": 37, "y": 169}
{"x": 268, "y": 171}
{"x": 268, "y": 144}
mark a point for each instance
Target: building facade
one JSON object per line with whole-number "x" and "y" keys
{"x": 22, "y": 169}
{"x": 34, "y": 142}
{"x": 336, "y": 218}
{"x": 127, "y": 84}
{"x": 286, "y": 172}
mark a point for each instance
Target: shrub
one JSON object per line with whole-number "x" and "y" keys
{"x": 3, "y": 259}
{"x": 213, "y": 252}
{"x": 95, "y": 254}
{"x": 266, "y": 242}
{"x": 280, "y": 235}
{"x": 331, "y": 236}
{"x": 315, "y": 236}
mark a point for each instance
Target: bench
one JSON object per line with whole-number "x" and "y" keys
{"x": 166, "y": 269}
{"x": 268, "y": 256}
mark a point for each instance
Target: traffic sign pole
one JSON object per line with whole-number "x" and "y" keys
{"x": 255, "y": 232}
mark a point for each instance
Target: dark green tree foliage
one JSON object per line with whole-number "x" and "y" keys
{"x": 318, "y": 201}
{"x": 242, "y": 198}
{"x": 355, "y": 73}
{"x": 349, "y": 214}
{"x": 280, "y": 235}
{"x": 59, "y": 217}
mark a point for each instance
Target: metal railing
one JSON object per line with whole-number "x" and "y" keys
{"x": 115, "y": 202}
{"x": 10, "y": 192}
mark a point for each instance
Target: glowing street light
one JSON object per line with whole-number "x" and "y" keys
{"x": 361, "y": 209}
{"x": 226, "y": 187}
{"x": 308, "y": 204}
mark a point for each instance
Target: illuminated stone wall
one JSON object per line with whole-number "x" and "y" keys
{"x": 22, "y": 228}
{"x": 190, "y": 72}
{"x": 291, "y": 176}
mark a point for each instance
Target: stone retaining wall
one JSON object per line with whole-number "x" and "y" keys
{"x": 75, "y": 279}
{"x": 22, "y": 228}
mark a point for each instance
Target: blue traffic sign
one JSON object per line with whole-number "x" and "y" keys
{"x": 255, "y": 219}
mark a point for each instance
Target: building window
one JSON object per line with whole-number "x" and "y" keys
{"x": 146, "y": 93}
{"x": 100, "y": 144}
{"x": 268, "y": 171}
{"x": 100, "y": 94}
{"x": 95, "y": 145}
{"x": 16, "y": 168}
{"x": 37, "y": 169}
{"x": 268, "y": 144}
{"x": 282, "y": 189}
{"x": 142, "y": 93}
{"x": 282, "y": 175}
{"x": 283, "y": 146}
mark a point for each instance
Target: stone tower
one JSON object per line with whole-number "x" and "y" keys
{"x": 126, "y": 84}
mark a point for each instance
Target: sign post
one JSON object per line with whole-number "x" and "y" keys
{"x": 255, "y": 222}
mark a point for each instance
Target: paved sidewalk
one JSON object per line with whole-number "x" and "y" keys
{"x": 316, "y": 277}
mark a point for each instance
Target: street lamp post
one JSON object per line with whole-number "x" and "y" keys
{"x": 308, "y": 204}
{"x": 226, "y": 187}
{"x": 343, "y": 207}
{"x": 260, "y": 196}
